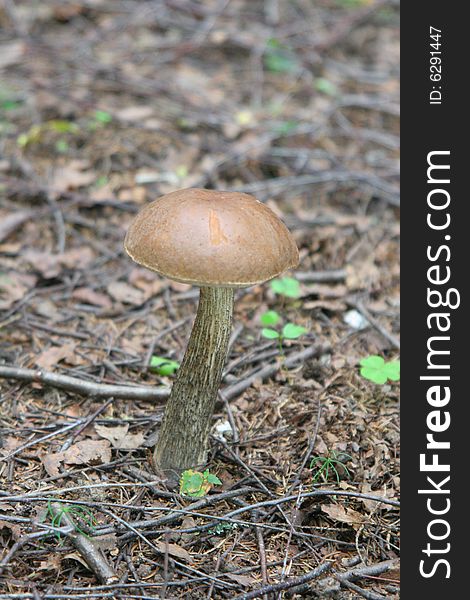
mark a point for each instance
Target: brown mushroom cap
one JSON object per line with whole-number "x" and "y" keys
{"x": 211, "y": 238}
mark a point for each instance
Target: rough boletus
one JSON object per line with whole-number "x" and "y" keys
{"x": 218, "y": 241}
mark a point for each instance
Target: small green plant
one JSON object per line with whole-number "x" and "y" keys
{"x": 222, "y": 527}
{"x": 278, "y": 58}
{"x": 290, "y": 331}
{"x": 36, "y": 133}
{"x": 374, "y": 368}
{"x": 82, "y": 513}
{"x": 103, "y": 117}
{"x": 163, "y": 366}
{"x": 196, "y": 484}
{"x": 286, "y": 286}
{"x": 324, "y": 464}
{"x": 325, "y": 86}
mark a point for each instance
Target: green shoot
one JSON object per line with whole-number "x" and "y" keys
{"x": 196, "y": 484}
{"x": 82, "y": 513}
{"x": 326, "y": 464}
{"x": 271, "y": 317}
{"x": 375, "y": 369}
{"x": 286, "y": 286}
{"x": 279, "y": 59}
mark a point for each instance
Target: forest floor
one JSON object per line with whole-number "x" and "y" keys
{"x": 104, "y": 106}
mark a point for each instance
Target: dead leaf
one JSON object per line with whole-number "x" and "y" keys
{"x": 174, "y": 550}
{"x": 13, "y": 287}
{"x": 88, "y": 452}
{"x": 78, "y": 558}
{"x": 55, "y": 354}
{"x": 105, "y": 542}
{"x": 71, "y": 177}
{"x": 343, "y": 515}
{"x": 51, "y": 463}
{"x": 123, "y": 292}
{"x": 14, "y": 528}
{"x": 244, "y": 580}
{"x": 89, "y": 296}
{"x": 148, "y": 282}
{"x": 9, "y": 222}
{"x": 119, "y": 437}
{"x": 77, "y": 258}
{"x": 43, "y": 262}
{"x": 52, "y": 563}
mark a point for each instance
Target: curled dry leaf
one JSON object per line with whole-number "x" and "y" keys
{"x": 125, "y": 293}
{"x": 55, "y": 354}
{"x": 86, "y": 452}
{"x": 344, "y": 515}
{"x": 9, "y": 222}
{"x": 89, "y": 296}
{"x": 174, "y": 550}
{"x": 51, "y": 265}
{"x": 71, "y": 176}
{"x": 120, "y": 437}
{"x": 13, "y": 287}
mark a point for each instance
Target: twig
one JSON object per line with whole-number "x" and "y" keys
{"x": 105, "y": 390}
{"x": 88, "y": 388}
{"x": 86, "y": 548}
{"x": 375, "y": 324}
{"x": 285, "y": 585}
{"x": 269, "y": 370}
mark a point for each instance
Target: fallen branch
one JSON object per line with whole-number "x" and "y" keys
{"x": 92, "y": 555}
{"x": 106, "y": 390}
{"x": 80, "y": 386}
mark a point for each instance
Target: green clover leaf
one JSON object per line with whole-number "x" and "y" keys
{"x": 374, "y": 368}
{"x": 271, "y": 317}
{"x": 271, "y": 334}
{"x": 286, "y": 286}
{"x": 291, "y": 331}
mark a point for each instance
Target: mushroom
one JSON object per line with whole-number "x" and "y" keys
{"x": 218, "y": 241}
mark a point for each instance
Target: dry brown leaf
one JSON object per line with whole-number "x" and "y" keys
{"x": 123, "y": 292}
{"x": 174, "y": 550}
{"x": 9, "y": 222}
{"x": 77, "y": 258}
{"x": 244, "y": 580}
{"x": 89, "y": 296}
{"x": 55, "y": 354}
{"x": 43, "y": 262}
{"x": 120, "y": 437}
{"x": 14, "y": 528}
{"x": 13, "y": 287}
{"x": 71, "y": 176}
{"x": 105, "y": 542}
{"x": 52, "y": 563}
{"x": 343, "y": 515}
{"x": 148, "y": 282}
{"x": 88, "y": 452}
{"x": 51, "y": 463}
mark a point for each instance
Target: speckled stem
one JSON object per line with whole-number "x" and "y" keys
{"x": 182, "y": 442}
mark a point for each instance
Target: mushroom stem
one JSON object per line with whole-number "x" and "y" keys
{"x": 182, "y": 441}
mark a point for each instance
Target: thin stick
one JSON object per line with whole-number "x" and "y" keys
{"x": 285, "y": 585}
